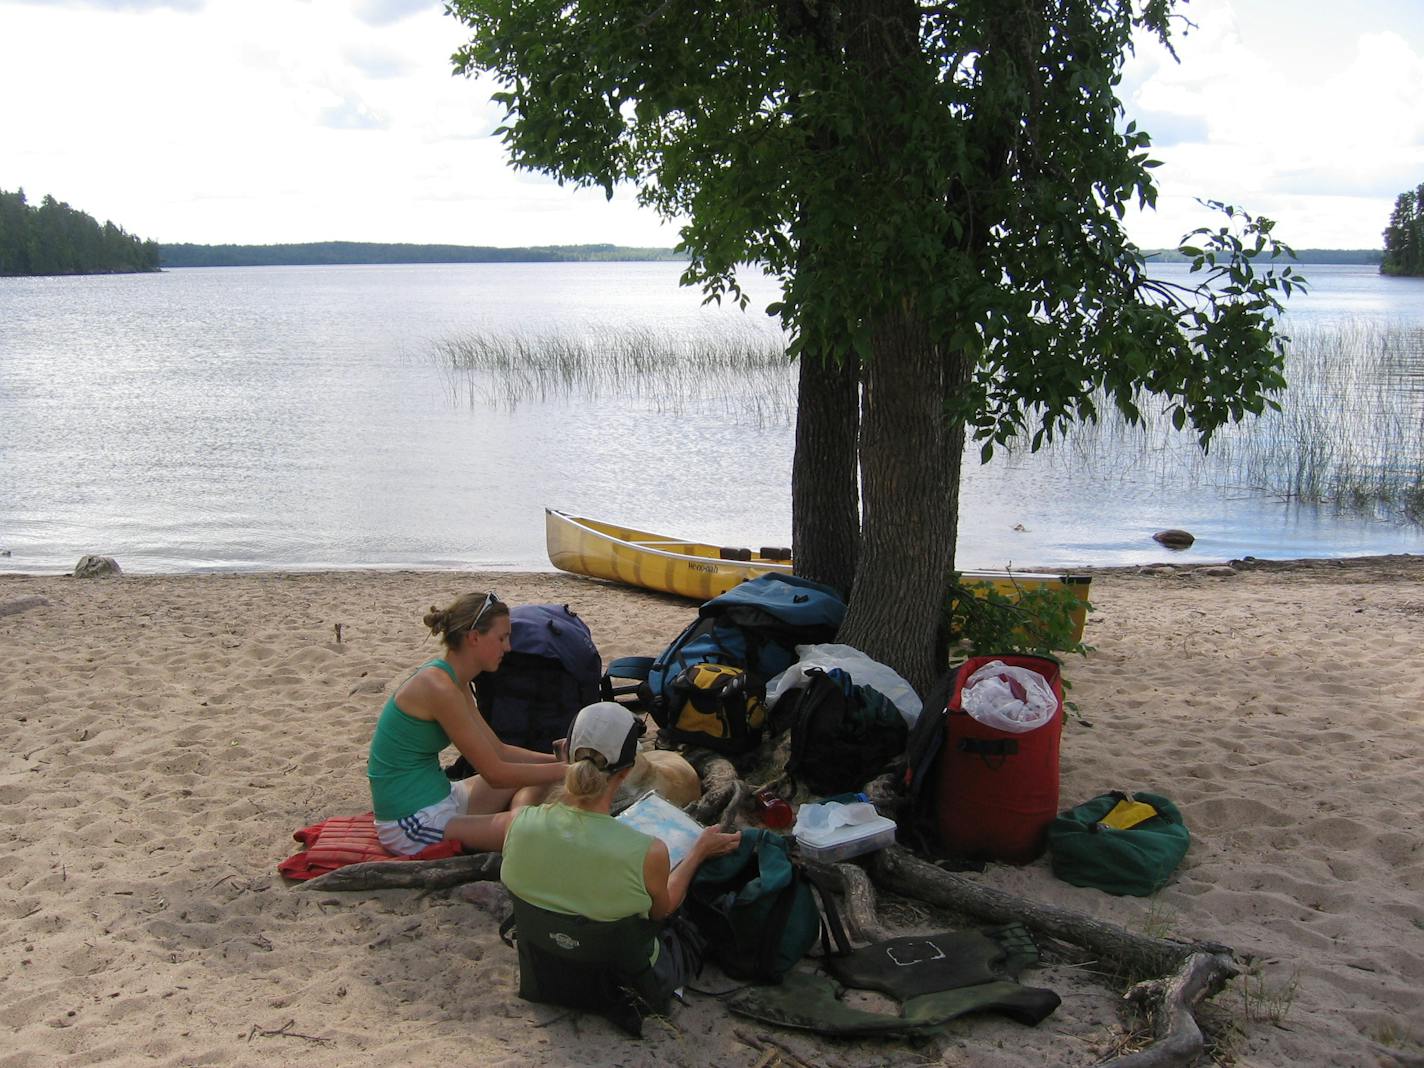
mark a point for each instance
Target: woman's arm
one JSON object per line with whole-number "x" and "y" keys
{"x": 516, "y": 755}
{"x": 669, "y": 889}
{"x": 478, "y": 743}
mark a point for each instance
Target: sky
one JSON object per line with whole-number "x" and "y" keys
{"x": 265, "y": 121}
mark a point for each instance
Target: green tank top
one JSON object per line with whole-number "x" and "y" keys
{"x": 580, "y": 863}
{"x": 404, "y": 763}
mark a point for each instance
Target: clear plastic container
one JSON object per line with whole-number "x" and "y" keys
{"x": 842, "y": 843}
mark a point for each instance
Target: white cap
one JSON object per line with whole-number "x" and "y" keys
{"x": 609, "y": 729}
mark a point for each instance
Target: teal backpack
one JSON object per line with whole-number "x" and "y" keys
{"x": 1136, "y": 860}
{"x": 757, "y": 910}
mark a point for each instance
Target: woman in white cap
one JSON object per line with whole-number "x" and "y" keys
{"x": 571, "y": 860}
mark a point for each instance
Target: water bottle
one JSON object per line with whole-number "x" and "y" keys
{"x": 771, "y": 811}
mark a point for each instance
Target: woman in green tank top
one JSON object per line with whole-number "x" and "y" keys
{"x": 414, "y": 803}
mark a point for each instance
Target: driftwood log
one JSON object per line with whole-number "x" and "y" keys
{"x": 902, "y": 872}
{"x": 1189, "y": 971}
{"x": 409, "y": 874}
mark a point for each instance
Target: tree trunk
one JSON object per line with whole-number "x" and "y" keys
{"x": 958, "y": 365}
{"x": 898, "y": 596}
{"x": 825, "y": 494}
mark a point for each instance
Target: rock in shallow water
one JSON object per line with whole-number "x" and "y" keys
{"x": 92, "y": 566}
{"x": 1174, "y": 539}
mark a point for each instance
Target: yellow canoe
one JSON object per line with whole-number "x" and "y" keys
{"x": 596, "y": 549}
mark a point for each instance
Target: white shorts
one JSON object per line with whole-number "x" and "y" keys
{"x": 426, "y": 827}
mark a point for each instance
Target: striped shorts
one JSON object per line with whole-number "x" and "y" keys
{"x": 426, "y": 827}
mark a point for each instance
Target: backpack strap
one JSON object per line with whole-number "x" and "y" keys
{"x": 832, "y": 926}
{"x": 630, "y": 667}
{"x": 775, "y": 924}
{"x": 636, "y": 668}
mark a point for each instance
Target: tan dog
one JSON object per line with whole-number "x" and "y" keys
{"x": 667, "y": 774}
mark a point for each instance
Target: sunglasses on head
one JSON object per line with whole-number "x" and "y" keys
{"x": 491, "y": 599}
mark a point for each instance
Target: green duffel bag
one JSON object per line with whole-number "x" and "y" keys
{"x": 1120, "y": 843}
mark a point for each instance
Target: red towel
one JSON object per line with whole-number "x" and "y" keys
{"x": 341, "y": 840}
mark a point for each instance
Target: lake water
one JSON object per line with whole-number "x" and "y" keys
{"x": 297, "y": 417}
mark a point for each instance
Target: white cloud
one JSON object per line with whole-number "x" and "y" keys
{"x": 120, "y": 5}
{"x": 384, "y": 12}
{"x": 1309, "y": 120}
{"x": 266, "y": 121}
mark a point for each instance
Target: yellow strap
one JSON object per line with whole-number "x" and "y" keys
{"x": 1126, "y": 814}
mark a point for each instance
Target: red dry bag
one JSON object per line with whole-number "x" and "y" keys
{"x": 998, "y": 790}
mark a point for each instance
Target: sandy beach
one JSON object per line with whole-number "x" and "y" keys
{"x": 164, "y": 736}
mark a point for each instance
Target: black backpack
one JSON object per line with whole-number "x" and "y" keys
{"x": 551, "y": 671}
{"x": 842, "y": 735}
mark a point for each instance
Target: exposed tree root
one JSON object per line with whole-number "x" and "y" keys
{"x": 1171, "y": 1002}
{"x": 857, "y": 903}
{"x": 723, "y": 791}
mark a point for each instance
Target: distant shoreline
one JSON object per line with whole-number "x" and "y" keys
{"x": 328, "y": 253}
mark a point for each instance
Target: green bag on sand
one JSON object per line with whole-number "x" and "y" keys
{"x": 1137, "y": 860}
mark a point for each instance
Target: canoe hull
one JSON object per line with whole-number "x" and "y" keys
{"x": 633, "y": 557}
{"x": 597, "y": 549}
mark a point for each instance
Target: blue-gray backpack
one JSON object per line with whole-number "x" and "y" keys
{"x": 551, "y": 671}
{"x": 755, "y": 626}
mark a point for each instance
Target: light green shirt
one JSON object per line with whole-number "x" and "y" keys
{"x": 575, "y": 862}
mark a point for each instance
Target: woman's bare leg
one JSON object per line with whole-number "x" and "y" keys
{"x": 484, "y": 798}
{"x": 482, "y": 833}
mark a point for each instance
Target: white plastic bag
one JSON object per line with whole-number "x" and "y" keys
{"x": 824, "y": 818}
{"x": 1012, "y": 699}
{"x": 862, "y": 670}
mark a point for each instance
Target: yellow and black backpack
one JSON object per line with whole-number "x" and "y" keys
{"x": 714, "y": 705}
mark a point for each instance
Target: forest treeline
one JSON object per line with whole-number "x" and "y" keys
{"x": 54, "y": 238}
{"x": 1404, "y": 236}
{"x": 331, "y": 252}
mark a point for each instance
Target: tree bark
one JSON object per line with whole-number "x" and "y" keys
{"x": 958, "y": 365}
{"x": 825, "y": 494}
{"x": 898, "y": 596}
